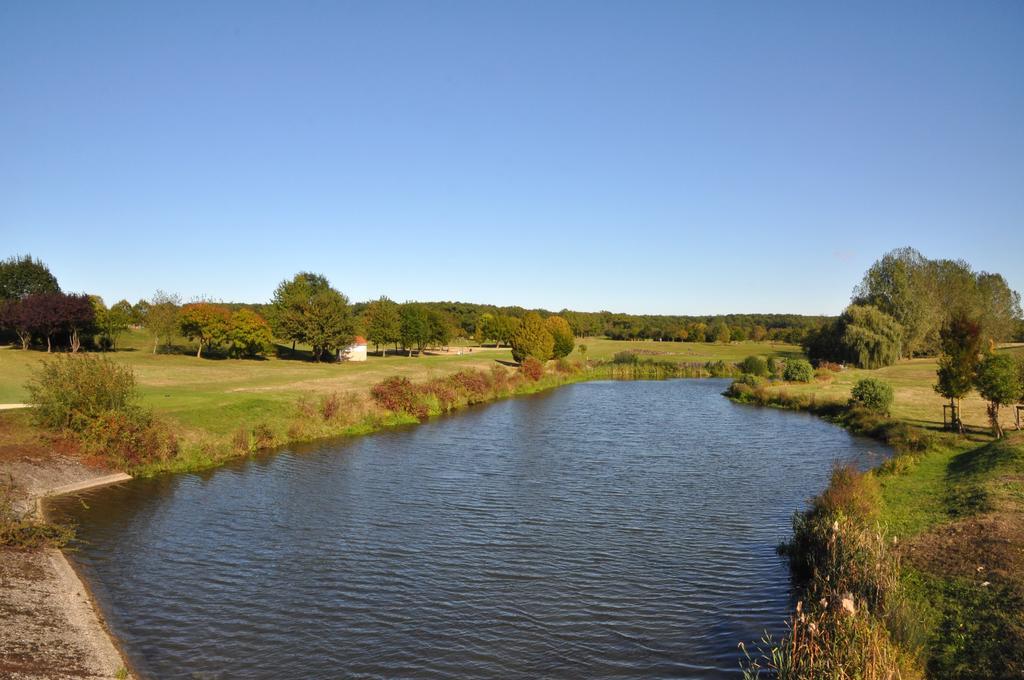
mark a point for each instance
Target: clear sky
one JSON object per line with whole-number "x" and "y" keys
{"x": 649, "y": 157}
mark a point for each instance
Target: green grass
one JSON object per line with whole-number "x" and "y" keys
{"x": 220, "y": 395}
{"x": 603, "y": 348}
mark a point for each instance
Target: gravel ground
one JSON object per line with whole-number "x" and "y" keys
{"x": 49, "y": 627}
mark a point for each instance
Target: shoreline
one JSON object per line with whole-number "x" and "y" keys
{"x": 54, "y": 627}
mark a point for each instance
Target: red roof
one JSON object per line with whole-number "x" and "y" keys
{"x": 360, "y": 340}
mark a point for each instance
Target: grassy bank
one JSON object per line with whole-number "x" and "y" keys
{"x": 949, "y": 511}
{"x": 222, "y": 408}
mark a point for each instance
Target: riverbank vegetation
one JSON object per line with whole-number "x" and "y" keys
{"x": 915, "y": 568}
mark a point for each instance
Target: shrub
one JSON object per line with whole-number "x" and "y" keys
{"x": 70, "y": 391}
{"x": 775, "y": 367}
{"x": 532, "y": 369}
{"x": 873, "y": 394}
{"x": 399, "y": 395}
{"x": 720, "y": 369}
{"x": 626, "y": 357}
{"x": 798, "y": 370}
{"x": 755, "y": 365}
{"x": 750, "y": 380}
{"x": 128, "y": 439}
{"x": 329, "y": 406}
{"x": 476, "y": 385}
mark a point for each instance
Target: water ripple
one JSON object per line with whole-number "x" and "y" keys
{"x": 617, "y": 530}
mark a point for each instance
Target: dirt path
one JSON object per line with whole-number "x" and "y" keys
{"x": 49, "y": 626}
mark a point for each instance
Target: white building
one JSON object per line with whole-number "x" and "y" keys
{"x": 354, "y": 352}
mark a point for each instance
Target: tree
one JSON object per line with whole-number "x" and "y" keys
{"x": 163, "y": 317}
{"x": 110, "y": 323}
{"x": 999, "y": 308}
{"x": 562, "y": 334}
{"x": 383, "y": 324}
{"x": 14, "y": 315}
{"x": 901, "y": 286}
{"x": 872, "y": 338}
{"x": 79, "y": 318}
{"x": 719, "y": 331}
{"x": 139, "y": 312}
{"x": 961, "y": 345}
{"x": 248, "y": 334}
{"x": 21, "y": 276}
{"x": 998, "y": 382}
{"x": 414, "y": 328}
{"x": 45, "y": 314}
{"x": 862, "y": 335}
{"x": 307, "y": 309}
{"x": 532, "y": 339}
{"x": 440, "y": 328}
{"x": 204, "y": 323}
{"x": 759, "y": 333}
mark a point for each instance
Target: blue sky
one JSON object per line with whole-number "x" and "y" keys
{"x": 654, "y": 157}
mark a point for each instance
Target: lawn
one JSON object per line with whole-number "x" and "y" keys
{"x": 218, "y": 395}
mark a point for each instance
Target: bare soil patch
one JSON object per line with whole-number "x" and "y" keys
{"x": 987, "y": 547}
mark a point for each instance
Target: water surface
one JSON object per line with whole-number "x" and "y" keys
{"x": 603, "y": 530}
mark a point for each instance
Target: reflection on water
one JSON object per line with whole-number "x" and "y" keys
{"x": 615, "y": 529}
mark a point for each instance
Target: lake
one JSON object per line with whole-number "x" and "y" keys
{"x": 601, "y": 530}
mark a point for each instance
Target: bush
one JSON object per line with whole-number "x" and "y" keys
{"x": 68, "y": 392}
{"x": 755, "y": 365}
{"x": 720, "y": 369}
{"x": 626, "y": 357}
{"x": 750, "y": 380}
{"x": 128, "y": 439}
{"x": 873, "y": 394}
{"x": 399, "y": 395}
{"x": 798, "y": 370}
{"x": 97, "y": 400}
{"x": 532, "y": 369}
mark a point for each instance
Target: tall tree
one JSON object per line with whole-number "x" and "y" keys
{"x": 532, "y": 339}
{"x": 383, "y": 324}
{"x": 163, "y": 317}
{"x": 21, "y": 276}
{"x": 307, "y": 309}
{"x": 204, "y": 323}
{"x": 441, "y": 328}
{"x": 961, "y": 347}
{"x": 900, "y": 285}
{"x": 414, "y": 327}
{"x": 327, "y": 324}
{"x": 999, "y": 306}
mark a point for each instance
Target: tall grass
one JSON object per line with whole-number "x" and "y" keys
{"x": 851, "y": 621}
